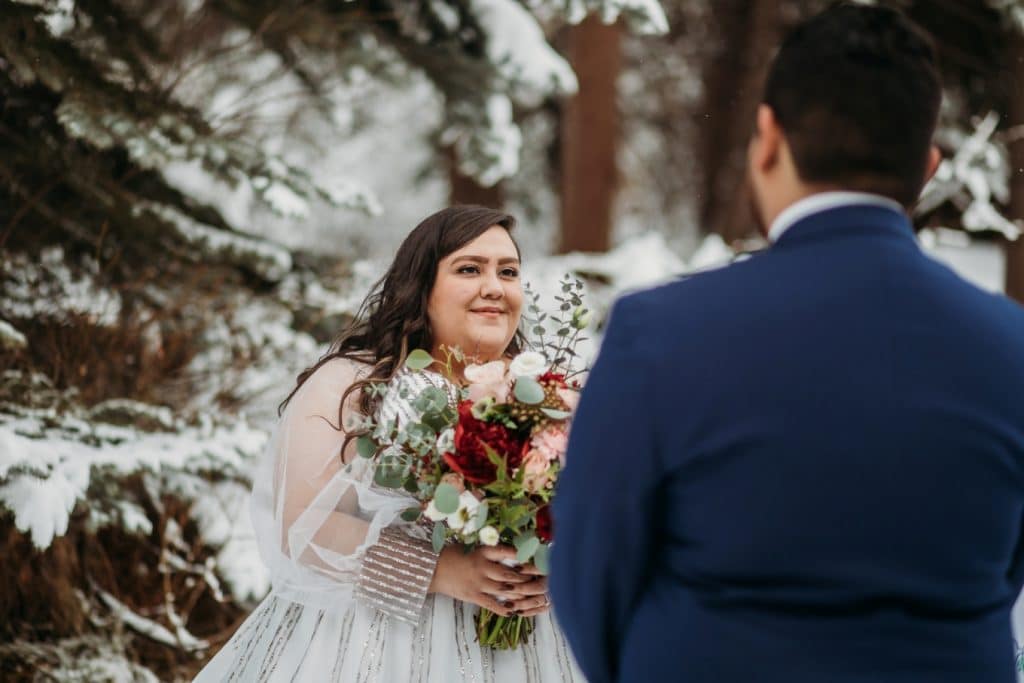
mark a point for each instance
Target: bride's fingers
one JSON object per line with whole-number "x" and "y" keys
{"x": 530, "y": 570}
{"x": 498, "y": 588}
{"x": 532, "y": 606}
{"x": 490, "y": 602}
{"x": 499, "y": 572}
{"x": 499, "y": 553}
{"x": 531, "y": 588}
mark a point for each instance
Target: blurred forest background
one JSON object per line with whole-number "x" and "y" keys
{"x": 196, "y": 194}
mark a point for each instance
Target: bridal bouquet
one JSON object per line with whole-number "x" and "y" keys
{"x": 483, "y": 464}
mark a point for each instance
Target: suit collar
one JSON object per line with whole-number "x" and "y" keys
{"x": 848, "y": 218}
{"x": 823, "y": 201}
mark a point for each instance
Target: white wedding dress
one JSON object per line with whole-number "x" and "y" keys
{"x": 349, "y": 601}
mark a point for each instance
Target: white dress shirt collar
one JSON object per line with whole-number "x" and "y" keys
{"x": 823, "y": 201}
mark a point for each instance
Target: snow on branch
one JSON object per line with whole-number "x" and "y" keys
{"x": 644, "y": 17}
{"x": 269, "y": 261}
{"x": 151, "y": 629}
{"x": 103, "y": 122}
{"x": 487, "y": 140}
{"x": 48, "y": 462}
{"x": 517, "y": 47}
{"x": 10, "y": 338}
{"x": 1012, "y": 10}
{"x": 975, "y": 177}
{"x": 50, "y": 288}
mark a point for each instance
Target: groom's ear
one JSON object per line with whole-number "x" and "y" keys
{"x": 767, "y": 141}
{"x": 934, "y": 159}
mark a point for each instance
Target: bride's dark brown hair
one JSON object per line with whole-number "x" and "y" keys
{"x": 392, "y": 320}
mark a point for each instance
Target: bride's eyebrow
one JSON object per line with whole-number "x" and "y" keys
{"x": 484, "y": 259}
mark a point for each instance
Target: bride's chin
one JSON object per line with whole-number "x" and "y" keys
{"x": 488, "y": 349}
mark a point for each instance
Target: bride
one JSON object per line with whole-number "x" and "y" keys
{"x": 358, "y": 594}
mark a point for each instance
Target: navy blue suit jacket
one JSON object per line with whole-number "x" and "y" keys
{"x": 803, "y": 467}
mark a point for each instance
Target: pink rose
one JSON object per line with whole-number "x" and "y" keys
{"x": 536, "y": 471}
{"x": 570, "y": 397}
{"x": 487, "y": 381}
{"x": 551, "y": 442}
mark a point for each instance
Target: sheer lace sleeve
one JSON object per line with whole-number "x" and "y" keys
{"x": 397, "y": 572}
{"x": 323, "y": 528}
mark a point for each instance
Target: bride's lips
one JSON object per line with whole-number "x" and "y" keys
{"x": 488, "y": 311}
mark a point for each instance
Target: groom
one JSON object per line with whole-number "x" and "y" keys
{"x": 807, "y": 467}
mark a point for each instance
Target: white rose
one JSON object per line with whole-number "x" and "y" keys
{"x": 464, "y": 519}
{"x": 528, "y": 364}
{"x": 489, "y": 535}
{"x": 488, "y": 373}
{"x": 432, "y": 513}
{"x": 456, "y": 521}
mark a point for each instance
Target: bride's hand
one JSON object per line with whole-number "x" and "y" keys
{"x": 478, "y": 577}
{"x": 531, "y": 596}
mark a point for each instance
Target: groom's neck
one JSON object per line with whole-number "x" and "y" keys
{"x": 785, "y": 195}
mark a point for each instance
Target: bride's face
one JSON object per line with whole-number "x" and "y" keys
{"x": 477, "y": 297}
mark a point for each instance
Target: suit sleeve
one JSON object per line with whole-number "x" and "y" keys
{"x": 1016, "y": 572}
{"x": 604, "y": 507}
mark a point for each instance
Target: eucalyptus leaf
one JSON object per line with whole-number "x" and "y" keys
{"x": 366, "y": 447}
{"x": 526, "y": 545}
{"x": 411, "y": 515}
{"x": 437, "y": 537}
{"x": 388, "y": 477}
{"x": 555, "y": 414}
{"x": 431, "y": 399}
{"x": 419, "y": 360}
{"x": 446, "y": 499}
{"x": 528, "y": 391}
{"x": 437, "y": 421}
{"x": 541, "y": 558}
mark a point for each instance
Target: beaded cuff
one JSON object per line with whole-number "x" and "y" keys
{"x": 396, "y": 575}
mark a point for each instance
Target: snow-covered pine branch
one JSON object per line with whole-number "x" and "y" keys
{"x": 1012, "y": 10}
{"x": 974, "y": 180}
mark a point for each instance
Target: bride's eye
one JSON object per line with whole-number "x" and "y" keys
{"x": 510, "y": 272}
{"x": 468, "y": 270}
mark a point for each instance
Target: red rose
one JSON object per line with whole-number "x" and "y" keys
{"x": 545, "y": 530}
{"x": 470, "y": 459}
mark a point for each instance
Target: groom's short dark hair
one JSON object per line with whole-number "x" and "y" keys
{"x": 856, "y": 91}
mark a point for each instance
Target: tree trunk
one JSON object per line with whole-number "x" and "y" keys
{"x": 749, "y": 32}
{"x": 466, "y": 190}
{"x": 590, "y": 130}
{"x": 1015, "y": 112}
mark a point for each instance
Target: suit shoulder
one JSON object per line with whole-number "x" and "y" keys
{"x": 691, "y": 287}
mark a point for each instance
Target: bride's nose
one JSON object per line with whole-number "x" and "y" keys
{"x": 490, "y": 287}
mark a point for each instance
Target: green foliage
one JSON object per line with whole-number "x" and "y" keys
{"x": 419, "y": 360}
{"x": 526, "y": 546}
{"x": 541, "y": 558}
{"x": 557, "y": 335}
{"x": 446, "y": 499}
{"x": 366, "y": 447}
{"x": 438, "y": 536}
